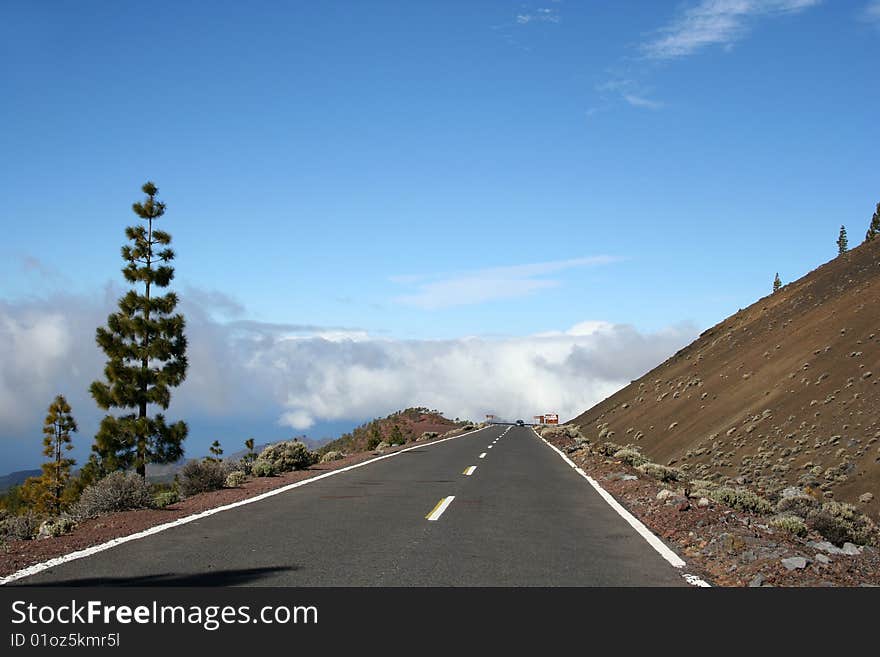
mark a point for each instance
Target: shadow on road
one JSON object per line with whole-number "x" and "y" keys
{"x": 215, "y": 578}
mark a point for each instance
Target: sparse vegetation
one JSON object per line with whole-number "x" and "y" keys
{"x": 202, "y": 477}
{"x": 792, "y": 525}
{"x": 262, "y": 469}
{"x": 235, "y": 479}
{"x": 874, "y": 227}
{"x": 118, "y": 491}
{"x": 800, "y": 505}
{"x": 741, "y": 499}
{"x": 661, "y": 472}
{"x": 287, "y": 455}
{"x": 839, "y": 523}
{"x": 631, "y": 456}
{"x": 166, "y": 498}
{"x": 332, "y": 455}
{"x": 23, "y": 526}
{"x": 57, "y": 526}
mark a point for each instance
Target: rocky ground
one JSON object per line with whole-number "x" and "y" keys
{"x": 725, "y": 546}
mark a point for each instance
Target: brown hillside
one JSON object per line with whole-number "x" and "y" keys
{"x": 784, "y": 392}
{"x": 402, "y": 426}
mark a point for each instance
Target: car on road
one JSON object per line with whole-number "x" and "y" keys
{"x": 520, "y": 423}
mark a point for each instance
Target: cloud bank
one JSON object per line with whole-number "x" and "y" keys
{"x": 297, "y": 376}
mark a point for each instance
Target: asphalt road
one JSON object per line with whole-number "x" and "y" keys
{"x": 522, "y": 517}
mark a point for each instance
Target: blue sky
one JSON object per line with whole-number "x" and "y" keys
{"x": 397, "y": 175}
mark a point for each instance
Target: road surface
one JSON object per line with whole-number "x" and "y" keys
{"x": 521, "y": 517}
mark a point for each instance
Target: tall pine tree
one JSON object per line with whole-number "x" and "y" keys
{"x": 146, "y": 352}
{"x": 777, "y": 282}
{"x": 842, "y": 242}
{"x": 874, "y": 228}
{"x": 57, "y": 428}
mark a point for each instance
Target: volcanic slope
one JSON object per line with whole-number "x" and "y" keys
{"x": 784, "y": 392}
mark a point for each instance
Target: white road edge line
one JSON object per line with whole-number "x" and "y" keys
{"x": 635, "y": 523}
{"x": 440, "y": 508}
{"x": 87, "y": 552}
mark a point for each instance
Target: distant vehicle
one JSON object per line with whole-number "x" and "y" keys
{"x": 520, "y": 423}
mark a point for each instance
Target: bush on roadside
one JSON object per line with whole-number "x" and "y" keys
{"x": 332, "y": 455}
{"x": 842, "y": 523}
{"x": 262, "y": 469}
{"x": 57, "y": 526}
{"x": 22, "y": 526}
{"x": 202, "y": 477}
{"x": 166, "y": 498}
{"x": 791, "y": 525}
{"x": 609, "y": 449}
{"x": 288, "y": 455}
{"x": 118, "y": 491}
{"x": 797, "y": 505}
{"x": 661, "y": 472}
{"x": 235, "y": 479}
{"x": 742, "y": 499}
{"x": 631, "y": 456}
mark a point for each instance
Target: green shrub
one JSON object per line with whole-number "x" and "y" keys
{"x": 288, "y": 455}
{"x": 840, "y": 523}
{"x": 661, "y": 472}
{"x": 118, "y": 491}
{"x": 798, "y": 505}
{"x": 740, "y": 498}
{"x": 22, "y": 526}
{"x": 428, "y": 435}
{"x": 57, "y": 526}
{"x": 235, "y": 479}
{"x": 166, "y": 498}
{"x": 332, "y": 455}
{"x": 262, "y": 469}
{"x": 609, "y": 449}
{"x": 202, "y": 477}
{"x": 631, "y": 456}
{"x": 790, "y": 525}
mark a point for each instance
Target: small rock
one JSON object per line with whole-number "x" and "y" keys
{"x": 795, "y": 563}
{"x": 821, "y": 558}
{"x": 866, "y": 497}
{"x": 703, "y": 502}
{"x": 851, "y": 550}
{"x": 757, "y": 580}
{"x": 792, "y": 491}
{"x": 664, "y": 494}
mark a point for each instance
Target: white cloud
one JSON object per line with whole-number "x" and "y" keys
{"x": 480, "y": 286}
{"x": 640, "y": 101}
{"x": 540, "y": 15}
{"x": 715, "y": 22}
{"x": 871, "y": 12}
{"x": 47, "y": 347}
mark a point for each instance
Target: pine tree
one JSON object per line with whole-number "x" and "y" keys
{"x": 777, "y": 283}
{"x": 251, "y": 455}
{"x": 146, "y": 353}
{"x": 57, "y": 428}
{"x": 842, "y": 243}
{"x": 874, "y": 228}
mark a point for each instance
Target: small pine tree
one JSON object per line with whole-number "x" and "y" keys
{"x": 216, "y": 451}
{"x": 842, "y": 243}
{"x": 777, "y": 283}
{"x": 874, "y": 228}
{"x": 58, "y": 426}
{"x": 396, "y": 437}
{"x": 146, "y": 353}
